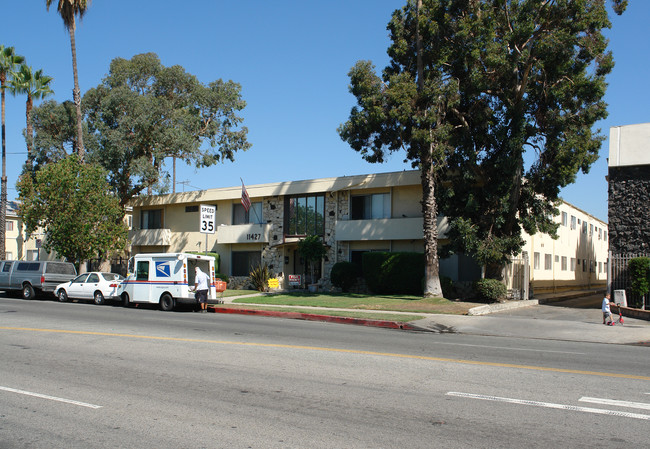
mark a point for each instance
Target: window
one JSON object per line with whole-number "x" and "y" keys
{"x": 194, "y": 208}
{"x": 243, "y": 262}
{"x": 600, "y": 267}
{"x": 564, "y": 218}
{"x": 605, "y": 236}
{"x": 536, "y": 261}
{"x": 142, "y": 270}
{"x": 584, "y": 227}
{"x": 600, "y": 233}
{"x": 93, "y": 278}
{"x": 573, "y": 222}
{"x": 32, "y": 254}
{"x": 591, "y": 230}
{"x": 80, "y": 279}
{"x": 563, "y": 263}
{"x": 548, "y": 262}
{"x": 9, "y": 255}
{"x": 10, "y": 225}
{"x": 557, "y": 259}
{"x": 584, "y": 265}
{"x": 6, "y": 268}
{"x": 370, "y": 206}
{"x": 304, "y": 215}
{"x": 573, "y": 264}
{"x": 240, "y": 216}
{"x": 151, "y": 219}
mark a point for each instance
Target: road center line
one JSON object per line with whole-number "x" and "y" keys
{"x": 51, "y": 398}
{"x": 340, "y": 350}
{"x": 639, "y": 405}
{"x": 572, "y": 408}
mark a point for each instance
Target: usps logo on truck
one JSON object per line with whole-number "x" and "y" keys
{"x": 163, "y": 269}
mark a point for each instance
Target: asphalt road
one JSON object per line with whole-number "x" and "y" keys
{"x": 84, "y": 376}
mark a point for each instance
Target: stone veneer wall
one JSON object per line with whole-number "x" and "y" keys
{"x": 629, "y": 209}
{"x": 272, "y": 209}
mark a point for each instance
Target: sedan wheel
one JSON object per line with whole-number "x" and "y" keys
{"x": 63, "y": 296}
{"x": 99, "y": 298}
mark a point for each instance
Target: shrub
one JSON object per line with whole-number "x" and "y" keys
{"x": 390, "y": 273}
{"x": 260, "y": 277}
{"x": 639, "y": 271}
{"x": 223, "y": 277}
{"x": 447, "y": 285}
{"x": 490, "y": 290}
{"x": 344, "y": 275}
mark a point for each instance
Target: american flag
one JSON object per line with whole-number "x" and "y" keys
{"x": 245, "y": 199}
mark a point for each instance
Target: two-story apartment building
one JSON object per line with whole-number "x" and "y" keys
{"x": 17, "y": 246}
{"x": 353, "y": 214}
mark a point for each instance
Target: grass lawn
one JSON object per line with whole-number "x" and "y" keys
{"x": 399, "y": 303}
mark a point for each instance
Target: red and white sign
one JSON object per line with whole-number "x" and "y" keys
{"x": 294, "y": 280}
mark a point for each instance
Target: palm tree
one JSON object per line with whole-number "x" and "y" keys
{"x": 8, "y": 62}
{"x": 68, "y": 10}
{"x": 36, "y": 86}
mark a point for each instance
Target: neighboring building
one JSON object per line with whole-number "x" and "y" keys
{"x": 16, "y": 246}
{"x": 576, "y": 259}
{"x": 353, "y": 214}
{"x": 629, "y": 189}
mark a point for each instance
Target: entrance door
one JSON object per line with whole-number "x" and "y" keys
{"x": 300, "y": 266}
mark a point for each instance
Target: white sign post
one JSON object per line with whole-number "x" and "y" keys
{"x": 206, "y": 224}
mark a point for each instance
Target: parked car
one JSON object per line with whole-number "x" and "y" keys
{"x": 96, "y": 286}
{"x": 34, "y": 277}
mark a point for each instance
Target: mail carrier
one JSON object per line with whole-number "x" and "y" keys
{"x": 165, "y": 279}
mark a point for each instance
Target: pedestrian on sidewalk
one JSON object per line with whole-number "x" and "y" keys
{"x": 201, "y": 286}
{"x": 607, "y": 313}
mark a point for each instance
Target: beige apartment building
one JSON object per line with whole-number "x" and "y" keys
{"x": 353, "y": 214}
{"x": 17, "y": 246}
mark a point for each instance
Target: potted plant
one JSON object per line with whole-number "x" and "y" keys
{"x": 312, "y": 250}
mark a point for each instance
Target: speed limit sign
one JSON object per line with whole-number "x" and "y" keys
{"x": 206, "y": 226}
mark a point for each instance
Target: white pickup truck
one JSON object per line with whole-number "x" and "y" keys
{"x": 164, "y": 279}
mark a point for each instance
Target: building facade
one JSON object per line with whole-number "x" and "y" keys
{"x": 17, "y": 246}
{"x": 353, "y": 214}
{"x": 629, "y": 189}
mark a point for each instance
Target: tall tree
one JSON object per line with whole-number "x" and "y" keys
{"x": 69, "y": 9}
{"x": 406, "y": 109}
{"x": 531, "y": 75}
{"x": 144, "y": 113}
{"x": 9, "y": 60}
{"x": 72, "y": 202}
{"x": 35, "y": 86}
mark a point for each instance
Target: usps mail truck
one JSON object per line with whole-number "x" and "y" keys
{"x": 165, "y": 279}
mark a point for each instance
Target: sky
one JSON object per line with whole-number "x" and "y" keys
{"x": 292, "y": 60}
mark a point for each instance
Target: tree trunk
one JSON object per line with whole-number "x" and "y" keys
{"x": 76, "y": 93}
{"x": 29, "y": 131}
{"x": 432, "y": 287}
{"x": 3, "y": 181}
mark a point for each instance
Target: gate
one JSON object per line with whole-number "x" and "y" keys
{"x": 517, "y": 277}
{"x": 618, "y": 277}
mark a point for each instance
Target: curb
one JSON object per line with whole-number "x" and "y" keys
{"x": 489, "y": 308}
{"x": 315, "y": 317}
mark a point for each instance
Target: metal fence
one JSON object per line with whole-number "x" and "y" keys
{"x": 517, "y": 277}
{"x": 618, "y": 277}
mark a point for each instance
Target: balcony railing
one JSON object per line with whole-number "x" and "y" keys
{"x": 386, "y": 229}
{"x": 245, "y": 233}
{"x": 151, "y": 237}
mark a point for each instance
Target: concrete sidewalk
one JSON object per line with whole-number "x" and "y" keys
{"x": 583, "y": 325}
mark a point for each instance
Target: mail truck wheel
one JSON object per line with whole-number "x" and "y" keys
{"x": 28, "y": 292}
{"x": 62, "y": 295}
{"x": 125, "y": 300}
{"x": 99, "y": 298}
{"x": 166, "y": 302}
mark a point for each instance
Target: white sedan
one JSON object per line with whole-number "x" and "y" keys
{"x": 94, "y": 285}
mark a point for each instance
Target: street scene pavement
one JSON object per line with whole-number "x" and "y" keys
{"x": 569, "y": 317}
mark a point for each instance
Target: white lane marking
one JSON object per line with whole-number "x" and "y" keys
{"x": 52, "y": 398}
{"x": 640, "y": 405}
{"x": 511, "y": 349}
{"x": 572, "y": 408}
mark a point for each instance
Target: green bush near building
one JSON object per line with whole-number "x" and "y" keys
{"x": 344, "y": 275}
{"x": 490, "y": 290}
{"x": 394, "y": 273}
